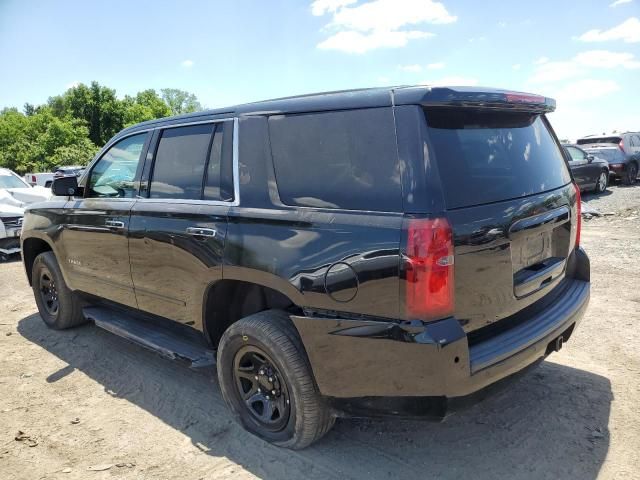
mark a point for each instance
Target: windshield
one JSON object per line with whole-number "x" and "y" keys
{"x": 9, "y": 180}
{"x": 489, "y": 156}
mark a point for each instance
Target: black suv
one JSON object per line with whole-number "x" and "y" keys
{"x": 368, "y": 252}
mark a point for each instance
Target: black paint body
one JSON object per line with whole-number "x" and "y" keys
{"x": 342, "y": 271}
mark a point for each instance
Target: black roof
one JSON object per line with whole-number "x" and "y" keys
{"x": 367, "y": 98}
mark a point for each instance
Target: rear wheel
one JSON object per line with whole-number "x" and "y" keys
{"x": 632, "y": 174}
{"x": 58, "y": 306}
{"x": 602, "y": 182}
{"x": 266, "y": 381}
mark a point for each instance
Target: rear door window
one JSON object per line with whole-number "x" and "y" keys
{"x": 180, "y": 162}
{"x": 576, "y": 155}
{"x": 489, "y": 156}
{"x": 343, "y": 159}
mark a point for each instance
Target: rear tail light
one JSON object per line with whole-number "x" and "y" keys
{"x": 621, "y": 145}
{"x": 578, "y": 214}
{"x": 429, "y": 270}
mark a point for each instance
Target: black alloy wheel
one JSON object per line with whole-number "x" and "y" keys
{"x": 48, "y": 292}
{"x": 262, "y": 388}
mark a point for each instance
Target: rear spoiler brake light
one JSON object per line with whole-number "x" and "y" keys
{"x": 474, "y": 97}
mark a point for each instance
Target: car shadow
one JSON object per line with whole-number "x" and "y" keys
{"x": 552, "y": 423}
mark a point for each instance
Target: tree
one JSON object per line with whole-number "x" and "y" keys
{"x": 68, "y": 129}
{"x": 180, "y": 101}
{"x": 98, "y": 106}
{"x": 42, "y": 141}
{"x": 146, "y": 105}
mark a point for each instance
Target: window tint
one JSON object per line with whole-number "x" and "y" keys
{"x": 576, "y": 155}
{"x": 337, "y": 159}
{"x": 487, "y": 156}
{"x": 594, "y": 140}
{"x": 613, "y": 155}
{"x": 179, "y": 166}
{"x": 219, "y": 179}
{"x": 113, "y": 175}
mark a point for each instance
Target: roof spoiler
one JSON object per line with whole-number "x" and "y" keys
{"x": 474, "y": 97}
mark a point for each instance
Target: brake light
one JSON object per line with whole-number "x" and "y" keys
{"x": 429, "y": 270}
{"x": 578, "y": 214}
{"x": 621, "y": 145}
{"x": 523, "y": 98}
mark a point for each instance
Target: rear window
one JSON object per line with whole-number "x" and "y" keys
{"x": 488, "y": 156}
{"x": 612, "y": 155}
{"x": 592, "y": 140}
{"x": 341, "y": 159}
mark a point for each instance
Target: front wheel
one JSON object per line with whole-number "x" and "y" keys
{"x": 267, "y": 382}
{"x": 602, "y": 182}
{"x": 57, "y": 304}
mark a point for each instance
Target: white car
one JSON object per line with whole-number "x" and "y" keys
{"x": 15, "y": 194}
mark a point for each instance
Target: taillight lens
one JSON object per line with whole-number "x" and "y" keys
{"x": 621, "y": 145}
{"x": 578, "y": 214}
{"x": 429, "y": 270}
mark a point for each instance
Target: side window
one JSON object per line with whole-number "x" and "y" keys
{"x": 576, "y": 155}
{"x": 180, "y": 162}
{"x": 337, "y": 159}
{"x": 218, "y": 183}
{"x": 636, "y": 140}
{"x": 113, "y": 175}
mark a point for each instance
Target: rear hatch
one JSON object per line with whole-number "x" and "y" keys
{"x": 511, "y": 205}
{"x": 613, "y": 155}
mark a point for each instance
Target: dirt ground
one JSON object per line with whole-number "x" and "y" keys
{"x": 92, "y": 406}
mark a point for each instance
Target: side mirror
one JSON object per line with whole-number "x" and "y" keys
{"x": 65, "y": 186}
{"x": 590, "y": 158}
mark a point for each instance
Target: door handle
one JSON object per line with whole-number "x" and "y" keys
{"x": 114, "y": 224}
{"x": 201, "y": 232}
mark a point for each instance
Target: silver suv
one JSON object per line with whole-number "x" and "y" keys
{"x": 622, "y": 151}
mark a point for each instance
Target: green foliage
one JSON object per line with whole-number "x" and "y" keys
{"x": 41, "y": 141}
{"x": 180, "y": 101}
{"x": 68, "y": 129}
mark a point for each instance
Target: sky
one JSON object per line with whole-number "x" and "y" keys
{"x": 583, "y": 53}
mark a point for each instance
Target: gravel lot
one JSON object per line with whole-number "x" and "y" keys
{"x": 90, "y": 405}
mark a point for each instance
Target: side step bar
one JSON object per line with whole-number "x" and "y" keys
{"x": 173, "y": 341}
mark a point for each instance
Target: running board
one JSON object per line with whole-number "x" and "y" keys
{"x": 173, "y": 341}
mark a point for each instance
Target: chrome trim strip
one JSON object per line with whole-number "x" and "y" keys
{"x": 235, "y": 167}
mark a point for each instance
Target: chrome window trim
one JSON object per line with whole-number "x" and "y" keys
{"x": 235, "y": 163}
{"x": 234, "y": 167}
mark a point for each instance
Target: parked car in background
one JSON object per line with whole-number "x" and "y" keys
{"x": 622, "y": 151}
{"x": 319, "y": 275}
{"x": 39, "y": 179}
{"x": 18, "y": 193}
{"x": 10, "y": 226}
{"x": 68, "y": 171}
{"x": 589, "y": 171}
{"x": 15, "y": 194}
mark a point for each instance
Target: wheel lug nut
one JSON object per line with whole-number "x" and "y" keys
{"x": 256, "y": 377}
{"x": 273, "y": 392}
{"x": 271, "y": 379}
{"x": 267, "y": 397}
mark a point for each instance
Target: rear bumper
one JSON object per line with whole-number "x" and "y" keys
{"x": 415, "y": 369}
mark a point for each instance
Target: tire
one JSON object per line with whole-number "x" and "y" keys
{"x": 631, "y": 174}
{"x": 602, "y": 182}
{"x": 58, "y": 306}
{"x": 300, "y": 415}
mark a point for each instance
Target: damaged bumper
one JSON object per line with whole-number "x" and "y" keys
{"x": 416, "y": 369}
